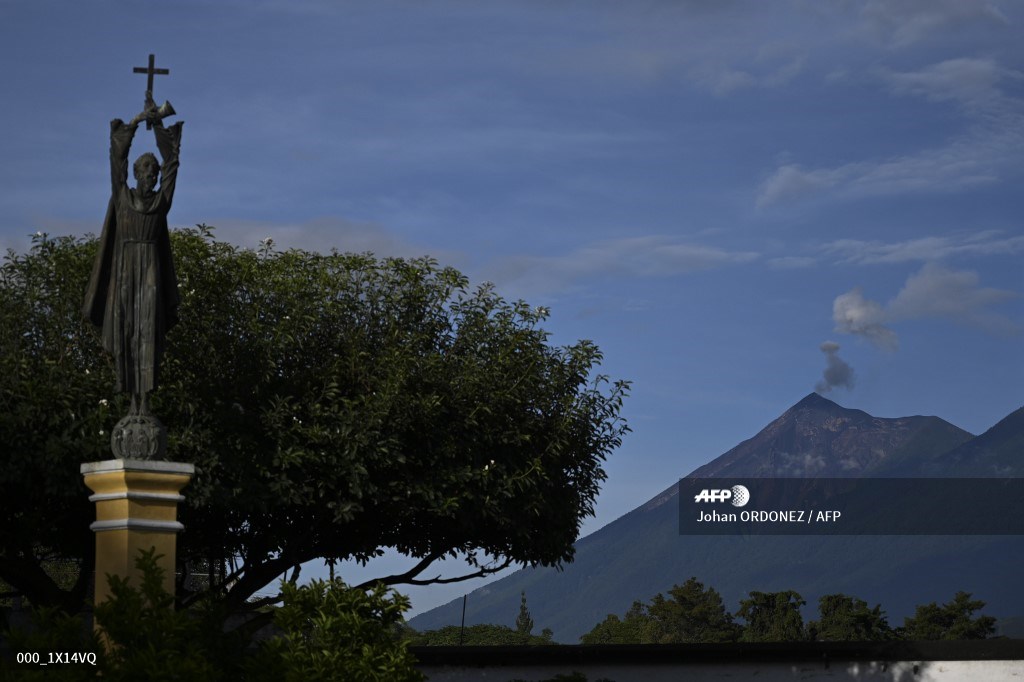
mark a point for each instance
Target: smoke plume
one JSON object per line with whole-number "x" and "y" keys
{"x": 837, "y": 372}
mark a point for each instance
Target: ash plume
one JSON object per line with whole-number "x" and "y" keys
{"x": 837, "y": 373}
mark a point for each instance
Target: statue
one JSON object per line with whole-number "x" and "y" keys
{"x": 133, "y": 291}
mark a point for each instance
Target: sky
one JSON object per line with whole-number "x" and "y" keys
{"x": 739, "y": 202}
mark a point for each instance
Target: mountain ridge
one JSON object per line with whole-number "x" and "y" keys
{"x": 817, "y": 437}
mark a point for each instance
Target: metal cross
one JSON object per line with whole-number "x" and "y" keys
{"x": 150, "y": 71}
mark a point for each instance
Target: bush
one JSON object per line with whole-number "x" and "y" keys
{"x": 336, "y": 632}
{"x": 330, "y": 631}
{"x": 52, "y": 631}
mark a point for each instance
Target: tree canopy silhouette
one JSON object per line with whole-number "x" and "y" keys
{"x": 334, "y": 405}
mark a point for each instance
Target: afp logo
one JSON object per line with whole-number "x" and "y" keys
{"x": 738, "y": 495}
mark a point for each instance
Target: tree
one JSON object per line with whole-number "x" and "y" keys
{"x": 952, "y": 620}
{"x": 772, "y": 617}
{"x": 334, "y": 405}
{"x": 633, "y": 628}
{"x": 848, "y": 619}
{"x": 524, "y": 624}
{"x": 691, "y": 613}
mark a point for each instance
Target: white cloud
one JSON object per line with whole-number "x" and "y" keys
{"x": 718, "y": 46}
{"x": 938, "y": 292}
{"x": 791, "y": 181}
{"x": 723, "y": 80}
{"x": 977, "y": 158}
{"x": 323, "y": 234}
{"x": 903, "y": 22}
{"x": 964, "y": 80}
{"x": 992, "y": 141}
{"x": 649, "y": 256}
{"x": 933, "y": 292}
{"x": 985, "y": 243}
{"x": 784, "y": 73}
{"x": 968, "y": 162}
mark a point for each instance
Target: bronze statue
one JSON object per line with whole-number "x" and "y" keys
{"x": 133, "y": 290}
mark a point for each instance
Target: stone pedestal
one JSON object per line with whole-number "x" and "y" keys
{"x": 136, "y": 509}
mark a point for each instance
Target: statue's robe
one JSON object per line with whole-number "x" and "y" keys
{"x": 133, "y": 291}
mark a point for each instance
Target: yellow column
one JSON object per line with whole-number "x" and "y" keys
{"x": 136, "y": 509}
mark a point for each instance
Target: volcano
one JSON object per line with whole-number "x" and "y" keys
{"x": 642, "y": 554}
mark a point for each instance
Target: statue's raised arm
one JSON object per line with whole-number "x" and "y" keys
{"x": 121, "y": 135}
{"x": 168, "y": 142}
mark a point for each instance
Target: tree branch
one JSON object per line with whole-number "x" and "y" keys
{"x": 264, "y": 601}
{"x": 404, "y": 577}
{"x": 85, "y": 580}
{"x": 28, "y": 577}
{"x": 250, "y": 578}
{"x": 407, "y": 579}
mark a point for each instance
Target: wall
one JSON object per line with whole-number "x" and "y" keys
{"x": 988, "y": 660}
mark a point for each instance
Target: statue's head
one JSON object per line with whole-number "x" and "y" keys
{"x": 147, "y": 171}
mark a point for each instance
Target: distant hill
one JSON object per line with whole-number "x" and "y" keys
{"x": 997, "y": 452}
{"x": 642, "y": 554}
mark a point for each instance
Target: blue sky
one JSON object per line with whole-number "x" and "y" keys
{"x": 737, "y": 201}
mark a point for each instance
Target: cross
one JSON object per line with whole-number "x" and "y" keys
{"x": 150, "y": 71}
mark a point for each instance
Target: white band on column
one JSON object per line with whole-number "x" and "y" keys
{"x": 128, "y": 495}
{"x": 137, "y": 524}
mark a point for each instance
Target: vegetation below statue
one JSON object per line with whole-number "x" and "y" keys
{"x": 325, "y": 631}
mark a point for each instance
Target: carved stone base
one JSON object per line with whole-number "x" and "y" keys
{"x": 139, "y": 436}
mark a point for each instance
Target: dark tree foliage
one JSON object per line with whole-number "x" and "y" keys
{"x": 952, "y": 620}
{"x": 848, "y": 619}
{"x": 475, "y": 635}
{"x": 153, "y": 641}
{"x": 690, "y": 613}
{"x": 524, "y": 623}
{"x": 330, "y": 631}
{"x": 324, "y": 631}
{"x": 633, "y": 628}
{"x": 333, "y": 405}
{"x": 772, "y": 617}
